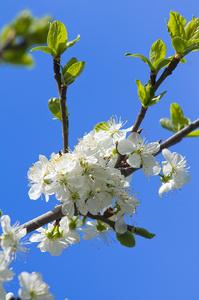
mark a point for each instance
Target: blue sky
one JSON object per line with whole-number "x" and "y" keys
{"x": 165, "y": 267}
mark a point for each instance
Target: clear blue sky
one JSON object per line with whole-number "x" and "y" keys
{"x": 166, "y": 267}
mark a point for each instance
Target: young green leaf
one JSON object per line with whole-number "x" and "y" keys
{"x": 143, "y": 58}
{"x": 177, "y": 117}
{"x": 184, "y": 39}
{"x": 178, "y": 121}
{"x": 72, "y": 43}
{"x": 167, "y": 124}
{"x": 54, "y": 107}
{"x": 176, "y": 25}
{"x": 69, "y": 74}
{"x": 126, "y": 239}
{"x": 193, "y": 134}
{"x": 45, "y": 49}
{"x": 57, "y": 38}
{"x": 158, "y": 51}
{"x": 141, "y": 91}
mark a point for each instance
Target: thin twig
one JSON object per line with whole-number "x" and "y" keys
{"x": 62, "y": 98}
{"x": 168, "y": 71}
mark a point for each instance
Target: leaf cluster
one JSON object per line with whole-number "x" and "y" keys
{"x": 20, "y": 35}
{"x": 177, "y": 121}
{"x": 57, "y": 40}
{"x": 185, "y": 39}
{"x": 146, "y": 94}
{"x": 157, "y": 60}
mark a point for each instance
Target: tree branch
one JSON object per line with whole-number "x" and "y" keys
{"x": 174, "y": 139}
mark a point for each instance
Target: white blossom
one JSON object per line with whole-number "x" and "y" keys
{"x": 97, "y": 229}
{"x": 175, "y": 172}
{"x": 11, "y": 238}
{"x": 50, "y": 240}
{"x": 140, "y": 154}
{"x": 33, "y": 287}
{"x": 38, "y": 178}
{"x": 5, "y": 273}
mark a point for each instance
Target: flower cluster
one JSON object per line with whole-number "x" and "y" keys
{"x": 85, "y": 180}
{"x": 32, "y": 286}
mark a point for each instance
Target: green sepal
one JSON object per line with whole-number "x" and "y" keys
{"x": 143, "y": 232}
{"x": 54, "y": 107}
{"x": 126, "y": 239}
{"x": 102, "y": 126}
{"x": 57, "y": 38}
{"x": 146, "y": 94}
{"x": 71, "y": 71}
{"x": 1, "y": 213}
{"x": 45, "y": 49}
{"x": 178, "y": 121}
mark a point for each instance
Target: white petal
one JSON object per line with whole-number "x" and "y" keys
{"x": 134, "y": 160}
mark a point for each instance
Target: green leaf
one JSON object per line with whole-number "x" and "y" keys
{"x": 126, "y": 239}
{"x": 192, "y": 29}
{"x": 177, "y": 117}
{"x": 193, "y": 134}
{"x": 176, "y": 25}
{"x": 38, "y": 30}
{"x": 72, "y": 72}
{"x": 158, "y": 51}
{"x": 144, "y": 233}
{"x": 57, "y": 38}
{"x": 25, "y": 60}
{"x": 102, "y": 126}
{"x": 191, "y": 47}
{"x": 54, "y": 107}
{"x": 178, "y": 121}
{"x": 45, "y": 49}
{"x": 155, "y": 99}
{"x": 143, "y": 58}
{"x": 72, "y": 61}
{"x": 22, "y": 22}
{"x": 1, "y": 213}
{"x": 162, "y": 63}
{"x": 167, "y": 124}
{"x": 72, "y": 43}
{"x": 179, "y": 45}
{"x": 141, "y": 91}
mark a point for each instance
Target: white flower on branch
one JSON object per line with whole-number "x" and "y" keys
{"x": 33, "y": 287}
{"x": 140, "y": 154}
{"x": 98, "y": 229}
{"x": 175, "y": 172}
{"x": 38, "y": 178}
{"x": 5, "y": 273}
{"x": 50, "y": 240}
{"x": 10, "y": 240}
